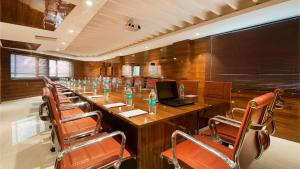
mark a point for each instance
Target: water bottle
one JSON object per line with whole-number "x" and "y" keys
{"x": 84, "y": 85}
{"x": 181, "y": 90}
{"x": 128, "y": 96}
{"x": 95, "y": 88}
{"x": 106, "y": 88}
{"x": 152, "y": 102}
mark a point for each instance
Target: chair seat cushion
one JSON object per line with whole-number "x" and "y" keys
{"x": 100, "y": 154}
{"x": 191, "y": 155}
{"x": 226, "y": 132}
{"x": 70, "y": 113}
{"x": 78, "y": 127}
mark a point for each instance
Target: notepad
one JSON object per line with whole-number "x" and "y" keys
{"x": 87, "y": 92}
{"x": 190, "y": 96}
{"x": 113, "y": 105}
{"x": 133, "y": 113}
{"x": 95, "y": 96}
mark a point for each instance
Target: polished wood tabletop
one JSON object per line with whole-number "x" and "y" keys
{"x": 149, "y": 135}
{"x": 140, "y": 101}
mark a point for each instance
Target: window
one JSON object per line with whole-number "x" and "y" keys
{"x": 22, "y": 66}
{"x": 154, "y": 70}
{"x": 30, "y": 67}
{"x": 136, "y": 71}
{"x": 126, "y": 71}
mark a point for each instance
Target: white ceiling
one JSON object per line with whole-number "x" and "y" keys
{"x": 99, "y": 31}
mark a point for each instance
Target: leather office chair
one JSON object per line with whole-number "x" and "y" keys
{"x": 219, "y": 90}
{"x": 99, "y": 150}
{"x": 221, "y": 131}
{"x": 139, "y": 80}
{"x": 200, "y": 152}
{"x": 151, "y": 83}
{"x": 191, "y": 87}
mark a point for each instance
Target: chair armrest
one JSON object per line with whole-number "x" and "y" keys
{"x": 98, "y": 114}
{"x": 81, "y": 116}
{"x": 73, "y": 97}
{"x": 257, "y": 127}
{"x": 72, "y": 105}
{"x": 237, "y": 109}
{"x": 65, "y": 93}
{"x": 92, "y": 141}
{"x": 228, "y": 119}
{"x": 227, "y": 160}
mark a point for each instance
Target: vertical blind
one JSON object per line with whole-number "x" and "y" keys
{"x": 29, "y": 66}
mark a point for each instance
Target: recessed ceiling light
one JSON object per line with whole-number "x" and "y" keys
{"x": 197, "y": 34}
{"x": 57, "y": 49}
{"x": 71, "y": 31}
{"x": 146, "y": 47}
{"x": 63, "y": 43}
{"x": 174, "y": 58}
{"x": 89, "y": 2}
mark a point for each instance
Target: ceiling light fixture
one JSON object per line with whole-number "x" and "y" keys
{"x": 71, "y": 31}
{"x": 89, "y": 3}
{"x": 63, "y": 43}
{"x": 197, "y": 34}
{"x": 146, "y": 47}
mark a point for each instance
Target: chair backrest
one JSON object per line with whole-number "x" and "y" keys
{"x": 129, "y": 80}
{"x": 139, "y": 80}
{"x": 191, "y": 87}
{"x": 55, "y": 116}
{"x": 218, "y": 90}
{"x": 151, "y": 83}
{"x": 247, "y": 146}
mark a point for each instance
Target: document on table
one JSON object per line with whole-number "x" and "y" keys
{"x": 133, "y": 113}
{"x": 95, "y": 96}
{"x": 87, "y": 92}
{"x": 112, "y": 105}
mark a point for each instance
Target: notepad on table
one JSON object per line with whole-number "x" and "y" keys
{"x": 95, "y": 96}
{"x": 133, "y": 113}
{"x": 112, "y": 105}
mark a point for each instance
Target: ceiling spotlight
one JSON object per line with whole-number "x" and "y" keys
{"x": 71, "y": 31}
{"x": 146, "y": 47}
{"x": 197, "y": 34}
{"x": 174, "y": 58}
{"x": 63, "y": 43}
{"x": 57, "y": 49}
{"x": 89, "y": 3}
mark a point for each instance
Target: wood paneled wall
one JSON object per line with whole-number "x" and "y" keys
{"x": 267, "y": 49}
{"x": 16, "y": 89}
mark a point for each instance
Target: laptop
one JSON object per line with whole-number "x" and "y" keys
{"x": 167, "y": 93}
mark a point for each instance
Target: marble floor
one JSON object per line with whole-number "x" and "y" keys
{"x": 24, "y": 141}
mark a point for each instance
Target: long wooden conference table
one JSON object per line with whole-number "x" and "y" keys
{"x": 148, "y": 135}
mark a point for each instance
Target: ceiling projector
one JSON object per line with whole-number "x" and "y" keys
{"x": 131, "y": 26}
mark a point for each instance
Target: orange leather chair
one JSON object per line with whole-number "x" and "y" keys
{"x": 81, "y": 144}
{"x": 151, "y": 83}
{"x": 220, "y": 130}
{"x": 139, "y": 80}
{"x": 219, "y": 90}
{"x": 202, "y": 153}
{"x": 191, "y": 87}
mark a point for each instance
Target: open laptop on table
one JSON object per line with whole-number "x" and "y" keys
{"x": 167, "y": 93}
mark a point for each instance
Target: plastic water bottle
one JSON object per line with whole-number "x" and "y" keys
{"x": 95, "y": 88}
{"x": 128, "y": 96}
{"x": 84, "y": 85}
{"x": 181, "y": 90}
{"x": 106, "y": 88}
{"x": 152, "y": 102}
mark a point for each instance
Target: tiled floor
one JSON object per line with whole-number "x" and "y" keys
{"x": 24, "y": 141}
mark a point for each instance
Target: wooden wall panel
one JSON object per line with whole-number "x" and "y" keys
{"x": 93, "y": 69}
{"x": 79, "y": 69}
{"x": 16, "y": 89}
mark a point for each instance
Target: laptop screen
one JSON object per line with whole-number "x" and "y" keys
{"x": 166, "y": 90}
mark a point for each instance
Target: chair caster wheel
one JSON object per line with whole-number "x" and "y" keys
{"x": 50, "y": 127}
{"x": 52, "y": 149}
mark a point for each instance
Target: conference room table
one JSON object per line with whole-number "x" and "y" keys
{"x": 149, "y": 135}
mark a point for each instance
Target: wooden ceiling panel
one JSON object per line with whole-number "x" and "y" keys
{"x": 47, "y": 14}
{"x": 106, "y": 32}
{"x": 19, "y": 45}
